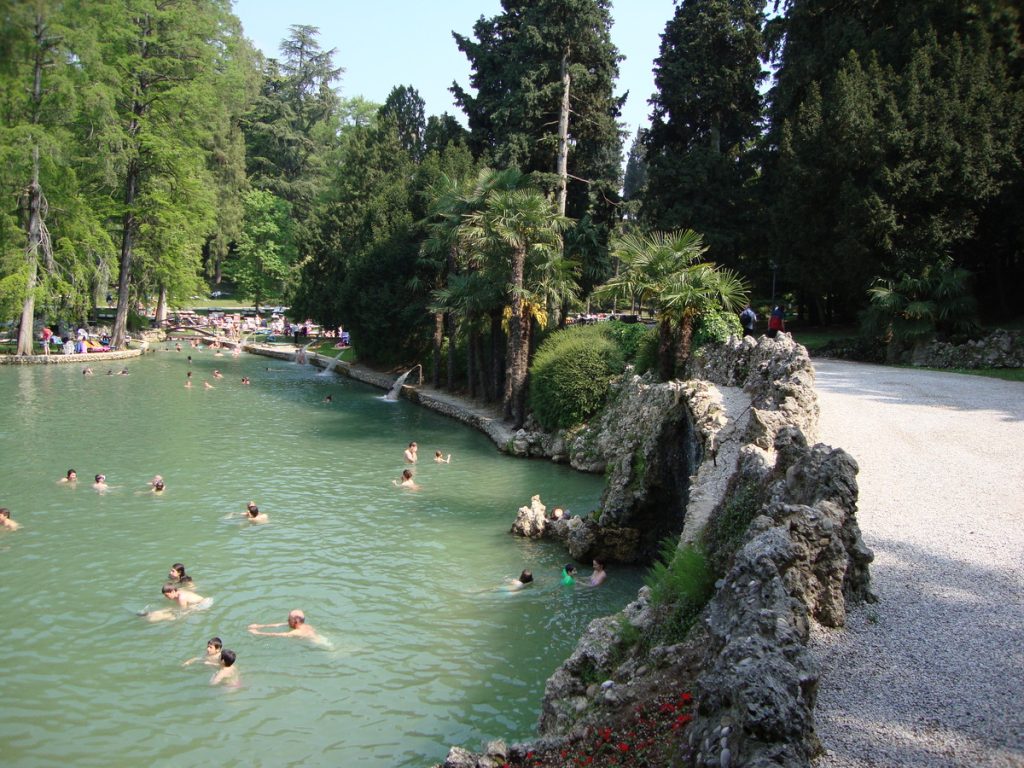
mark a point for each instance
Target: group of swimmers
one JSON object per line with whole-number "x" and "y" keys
{"x": 411, "y": 455}
{"x": 156, "y": 485}
{"x": 88, "y": 371}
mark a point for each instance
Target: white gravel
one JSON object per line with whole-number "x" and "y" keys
{"x": 933, "y": 674}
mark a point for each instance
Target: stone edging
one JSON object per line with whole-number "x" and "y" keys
{"x": 57, "y": 359}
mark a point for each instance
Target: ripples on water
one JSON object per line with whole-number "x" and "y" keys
{"x": 424, "y": 650}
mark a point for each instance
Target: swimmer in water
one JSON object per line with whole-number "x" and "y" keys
{"x": 177, "y": 346}
{"x": 599, "y": 575}
{"x": 568, "y": 574}
{"x": 176, "y": 574}
{"x": 525, "y": 579}
{"x": 217, "y": 374}
{"x": 212, "y": 657}
{"x": 124, "y": 372}
{"x": 297, "y": 627}
{"x": 245, "y": 380}
{"x": 410, "y": 453}
{"x": 101, "y": 483}
{"x": 440, "y": 459}
{"x": 71, "y": 478}
{"x": 228, "y": 672}
{"x": 5, "y": 520}
{"x": 207, "y": 385}
{"x": 87, "y": 371}
{"x": 253, "y": 514}
{"x": 185, "y": 598}
{"x": 188, "y": 380}
{"x": 329, "y": 399}
{"x": 406, "y": 481}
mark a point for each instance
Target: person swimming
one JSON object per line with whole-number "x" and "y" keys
{"x": 568, "y": 574}
{"x": 411, "y": 453}
{"x": 177, "y": 574}
{"x": 186, "y": 599}
{"x": 253, "y": 514}
{"x": 441, "y": 459}
{"x": 228, "y": 672}
{"x": 71, "y": 478}
{"x": 212, "y": 657}
{"x": 599, "y": 575}
{"x": 101, "y": 483}
{"x": 524, "y": 580}
{"x": 5, "y": 520}
{"x": 406, "y": 481}
{"x": 297, "y": 627}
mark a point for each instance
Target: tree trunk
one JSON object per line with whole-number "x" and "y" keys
{"x": 35, "y": 241}
{"x": 563, "y": 137}
{"x": 124, "y": 273}
{"x": 435, "y": 374}
{"x": 495, "y": 378}
{"x": 515, "y": 373}
{"x": 666, "y": 355}
{"x": 471, "y": 364}
{"x": 161, "y": 307}
{"x": 450, "y": 322}
{"x": 685, "y": 344}
{"x": 481, "y": 369}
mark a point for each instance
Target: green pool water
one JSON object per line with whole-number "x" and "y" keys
{"x": 424, "y": 649}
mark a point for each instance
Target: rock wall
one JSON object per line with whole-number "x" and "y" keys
{"x": 801, "y": 559}
{"x": 1000, "y": 349}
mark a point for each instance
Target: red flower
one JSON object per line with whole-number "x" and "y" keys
{"x": 686, "y": 698}
{"x": 606, "y": 734}
{"x": 623, "y": 747}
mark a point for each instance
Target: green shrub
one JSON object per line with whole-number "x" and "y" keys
{"x": 681, "y": 585}
{"x": 715, "y": 326}
{"x": 631, "y": 337}
{"x": 570, "y": 375}
{"x": 647, "y": 351}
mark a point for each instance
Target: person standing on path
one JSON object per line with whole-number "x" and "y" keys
{"x": 748, "y": 319}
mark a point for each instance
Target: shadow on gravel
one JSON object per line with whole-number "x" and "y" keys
{"x": 933, "y": 674}
{"x": 908, "y": 386}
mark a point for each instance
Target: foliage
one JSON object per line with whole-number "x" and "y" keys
{"x": 569, "y": 378}
{"x": 681, "y": 583}
{"x": 517, "y": 60}
{"x": 706, "y": 116}
{"x": 649, "y": 735}
{"x": 915, "y": 309}
{"x": 728, "y": 524}
{"x": 630, "y": 337}
{"x": 715, "y": 326}
{"x": 266, "y": 249}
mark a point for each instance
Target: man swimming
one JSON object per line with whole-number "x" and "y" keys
{"x": 297, "y": 627}
{"x": 5, "y": 520}
{"x": 411, "y": 453}
{"x": 524, "y": 580}
{"x": 441, "y": 459}
{"x": 186, "y": 599}
{"x": 253, "y": 514}
{"x": 101, "y": 483}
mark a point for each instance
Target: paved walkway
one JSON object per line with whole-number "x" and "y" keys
{"x": 933, "y": 674}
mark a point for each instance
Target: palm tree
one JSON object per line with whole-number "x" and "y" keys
{"x": 664, "y": 271}
{"x": 515, "y": 224}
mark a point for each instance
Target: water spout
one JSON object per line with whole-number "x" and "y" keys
{"x": 400, "y": 381}
{"x": 329, "y": 368}
{"x": 300, "y": 354}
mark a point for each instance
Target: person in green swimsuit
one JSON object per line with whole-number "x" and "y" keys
{"x": 568, "y": 575}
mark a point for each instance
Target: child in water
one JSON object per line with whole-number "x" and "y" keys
{"x": 440, "y": 459}
{"x": 568, "y": 574}
{"x": 5, "y": 520}
{"x": 525, "y": 579}
{"x": 228, "y": 672}
{"x": 212, "y": 657}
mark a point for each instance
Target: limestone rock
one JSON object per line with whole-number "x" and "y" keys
{"x": 530, "y": 521}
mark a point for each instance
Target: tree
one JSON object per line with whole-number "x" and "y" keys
{"x": 544, "y": 74}
{"x": 157, "y": 66}
{"x": 293, "y": 121}
{"x": 706, "y": 117}
{"x": 517, "y": 223}
{"x": 406, "y": 108}
{"x": 266, "y": 249}
{"x": 664, "y": 271}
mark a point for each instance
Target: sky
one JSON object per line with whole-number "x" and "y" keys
{"x": 384, "y": 43}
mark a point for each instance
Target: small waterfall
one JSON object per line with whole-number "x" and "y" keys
{"x": 300, "y": 355}
{"x": 397, "y": 386}
{"x": 331, "y": 365}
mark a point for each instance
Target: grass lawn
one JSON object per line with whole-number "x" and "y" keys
{"x": 816, "y": 338}
{"x": 1007, "y": 374}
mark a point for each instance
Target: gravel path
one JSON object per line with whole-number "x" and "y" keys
{"x": 933, "y": 674}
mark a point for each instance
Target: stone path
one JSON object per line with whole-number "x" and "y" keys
{"x": 933, "y": 674}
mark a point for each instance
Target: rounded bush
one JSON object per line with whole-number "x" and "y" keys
{"x": 716, "y": 326}
{"x": 570, "y": 375}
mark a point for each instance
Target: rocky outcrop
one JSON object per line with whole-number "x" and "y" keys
{"x": 1000, "y": 349}
{"x": 799, "y": 558}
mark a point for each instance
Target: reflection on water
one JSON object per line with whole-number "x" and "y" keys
{"x": 423, "y": 647}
